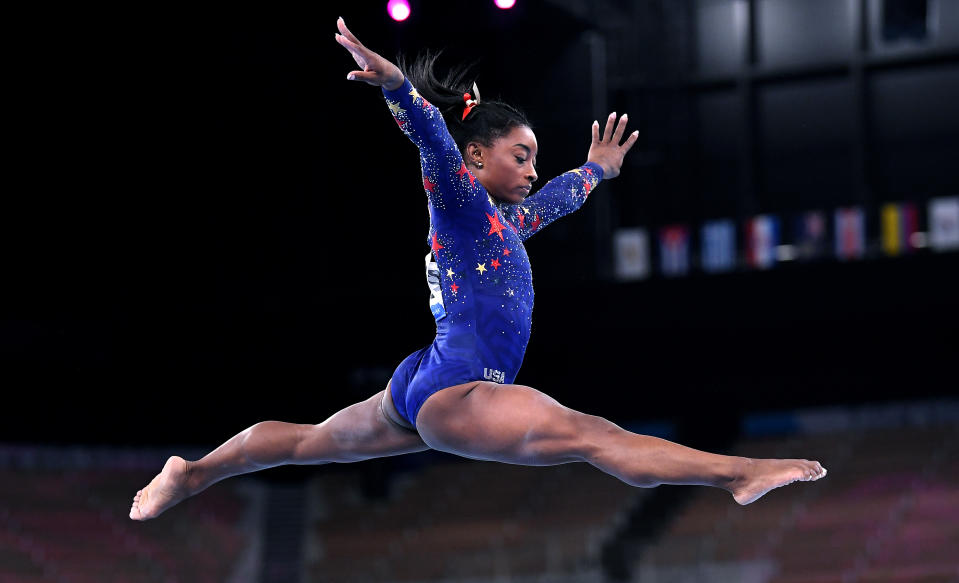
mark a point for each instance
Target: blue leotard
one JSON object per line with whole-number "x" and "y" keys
{"x": 481, "y": 284}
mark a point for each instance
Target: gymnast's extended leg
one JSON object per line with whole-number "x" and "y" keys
{"x": 359, "y": 432}
{"x": 520, "y": 425}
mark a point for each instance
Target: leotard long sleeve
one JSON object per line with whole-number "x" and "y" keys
{"x": 478, "y": 272}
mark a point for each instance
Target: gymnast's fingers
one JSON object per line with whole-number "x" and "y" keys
{"x": 620, "y": 128}
{"x": 630, "y": 141}
{"x": 358, "y": 52}
{"x": 608, "y": 132}
{"x": 341, "y": 25}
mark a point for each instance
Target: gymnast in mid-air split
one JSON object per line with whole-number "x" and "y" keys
{"x": 478, "y": 159}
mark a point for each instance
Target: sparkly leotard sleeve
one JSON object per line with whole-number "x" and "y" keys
{"x": 478, "y": 273}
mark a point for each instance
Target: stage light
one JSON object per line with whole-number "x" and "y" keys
{"x": 504, "y": 4}
{"x": 399, "y": 10}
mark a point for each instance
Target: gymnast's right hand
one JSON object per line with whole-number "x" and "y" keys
{"x": 376, "y": 70}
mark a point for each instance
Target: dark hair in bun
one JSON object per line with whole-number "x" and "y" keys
{"x": 487, "y": 121}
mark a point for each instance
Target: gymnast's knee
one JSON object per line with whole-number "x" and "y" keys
{"x": 568, "y": 435}
{"x": 594, "y": 435}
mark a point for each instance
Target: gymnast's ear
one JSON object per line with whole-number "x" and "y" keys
{"x": 475, "y": 153}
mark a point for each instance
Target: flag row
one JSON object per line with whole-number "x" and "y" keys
{"x": 768, "y": 239}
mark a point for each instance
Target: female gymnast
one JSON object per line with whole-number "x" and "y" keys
{"x": 456, "y": 395}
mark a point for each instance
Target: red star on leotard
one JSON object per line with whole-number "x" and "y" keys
{"x": 536, "y": 222}
{"x": 521, "y": 219}
{"x": 454, "y": 287}
{"x": 495, "y": 263}
{"x": 588, "y": 170}
{"x": 506, "y": 252}
{"x": 427, "y": 184}
{"x": 588, "y": 185}
{"x": 436, "y": 244}
{"x": 399, "y": 123}
{"x": 497, "y": 227}
{"x": 425, "y": 103}
{"x": 463, "y": 171}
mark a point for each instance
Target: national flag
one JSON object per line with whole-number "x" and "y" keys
{"x": 718, "y": 246}
{"x": 810, "y": 235}
{"x": 632, "y": 253}
{"x": 674, "y": 250}
{"x": 762, "y": 237}
{"x": 944, "y": 223}
{"x": 900, "y": 223}
{"x": 850, "y": 233}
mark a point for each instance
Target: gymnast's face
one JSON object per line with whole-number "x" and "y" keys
{"x": 507, "y": 168}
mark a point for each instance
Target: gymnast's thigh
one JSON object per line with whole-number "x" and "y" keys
{"x": 390, "y": 412}
{"x": 508, "y": 423}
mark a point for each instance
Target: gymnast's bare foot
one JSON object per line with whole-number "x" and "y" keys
{"x": 165, "y": 490}
{"x": 762, "y": 475}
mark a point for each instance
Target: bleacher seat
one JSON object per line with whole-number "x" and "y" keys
{"x": 886, "y": 512}
{"x": 70, "y": 524}
{"x": 469, "y": 519}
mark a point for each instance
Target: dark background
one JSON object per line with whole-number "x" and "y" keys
{"x": 208, "y": 226}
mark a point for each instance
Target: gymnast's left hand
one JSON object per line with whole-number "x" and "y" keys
{"x": 607, "y": 150}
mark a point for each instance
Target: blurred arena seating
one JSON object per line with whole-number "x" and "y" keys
{"x": 64, "y": 519}
{"x": 468, "y": 521}
{"x": 887, "y": 511}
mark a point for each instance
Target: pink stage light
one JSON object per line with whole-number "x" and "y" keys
{"x": 504, "y": 4}
{"x": 399, "y": 10}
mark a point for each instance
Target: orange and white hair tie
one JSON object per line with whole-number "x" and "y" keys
{"x": 470, "y": 101}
